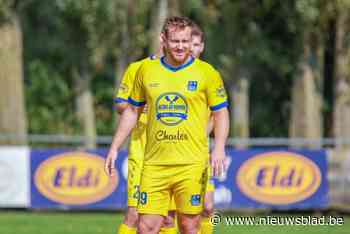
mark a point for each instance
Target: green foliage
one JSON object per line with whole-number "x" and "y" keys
{"x": 6, "y": 8}
{"x": 104, "y": 91}
{"x": 63, "y": 35}
{"x": 309, "y": 10}
{"x": 95, "y": 20}
{"x": 49, "y": 101}
{"x": 262, "y": 38}
{"x": 9, "y": 8}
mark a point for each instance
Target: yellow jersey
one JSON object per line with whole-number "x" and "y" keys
{"x": 177, "y": 101}
{"x": 138, "y": 135}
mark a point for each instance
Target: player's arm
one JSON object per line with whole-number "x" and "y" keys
{"x": 218, "y": 105}
{"x": 210, "y": 124}
{"x": 121, "y": 107}
{"x": 121, "y": 102}
{"x": 221, "y": 130}
{"x": 128, "y": 120}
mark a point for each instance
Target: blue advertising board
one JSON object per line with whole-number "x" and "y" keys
{"x": 67, "y": 179}
{"x": 276, "y": 179}
{"x": 256, "y": 178}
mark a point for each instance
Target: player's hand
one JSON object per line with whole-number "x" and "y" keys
{"x": 218, "y": 162}
{"x": 110, "y": 162}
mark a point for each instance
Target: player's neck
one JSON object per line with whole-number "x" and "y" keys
{"x": 170, "y": 61}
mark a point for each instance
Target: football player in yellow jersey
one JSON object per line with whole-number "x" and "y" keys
{"x": 178, "y": 90}
{"x": 206, "y": 227}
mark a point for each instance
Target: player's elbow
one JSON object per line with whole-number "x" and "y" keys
{"x": 132, "y": 112}
{"x": 136, "y": 110}
{"x": 121, "y": 107}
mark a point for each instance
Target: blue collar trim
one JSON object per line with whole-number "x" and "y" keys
{"x": 174, "y": 69}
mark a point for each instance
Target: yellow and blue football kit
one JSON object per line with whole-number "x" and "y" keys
{"x": 138, "y": 135}
{"x": 177, "y": 152}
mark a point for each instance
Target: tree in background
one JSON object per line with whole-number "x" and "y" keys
{"x": 341, "y": 114}
{"x": 92, "y": 32}
{"x": 48, "y": 56}
{"x": 222, "y": 24}
{"x": 87, "y": 21}
{"x": 247, "y": 41}
{"x": 12, "y": 106}
{"x": 64, "y": 40}
{"x": 132, "y": 35}
{"x": 262, "y": 48}
{"x": 162, "y": 10}
{"x": 306, "y": 115}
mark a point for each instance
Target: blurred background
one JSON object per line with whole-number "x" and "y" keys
{"x": 285, "y": 64}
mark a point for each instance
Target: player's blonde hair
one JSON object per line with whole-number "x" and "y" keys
{"x": 178, "y": 22}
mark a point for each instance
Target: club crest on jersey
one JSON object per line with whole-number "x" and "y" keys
{"x": 171, "y": 108}
{"x": 196, "y": 200}
{"x": 192, "y": 85}
{"x": 220, "y": 92}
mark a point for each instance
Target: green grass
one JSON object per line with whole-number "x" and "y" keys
{"x": 58, "y": 223}
{"x": 21, "y": 222}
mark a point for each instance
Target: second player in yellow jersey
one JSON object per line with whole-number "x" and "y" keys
{"x": 136, "y": 149}
{"x": 138, "y": 135}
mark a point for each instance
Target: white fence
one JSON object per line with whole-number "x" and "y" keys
{"x": 241, "y": 142}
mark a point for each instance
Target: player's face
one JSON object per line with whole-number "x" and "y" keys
{"x": 197, "y": 46}
{"x": 178, "y": 45}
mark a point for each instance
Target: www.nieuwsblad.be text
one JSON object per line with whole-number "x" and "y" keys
{"x": 218, "y": 218}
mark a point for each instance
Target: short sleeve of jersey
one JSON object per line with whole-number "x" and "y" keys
{"x": 216, "y": 92}
{"x": 126, "y": 84}
{"x": 137, "y": 96}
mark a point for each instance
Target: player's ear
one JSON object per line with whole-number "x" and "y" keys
{"x": 162, "y": 38}
{"x": 202, "y": 47}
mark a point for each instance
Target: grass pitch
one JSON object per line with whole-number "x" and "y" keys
{"x": 23, "y": 222}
